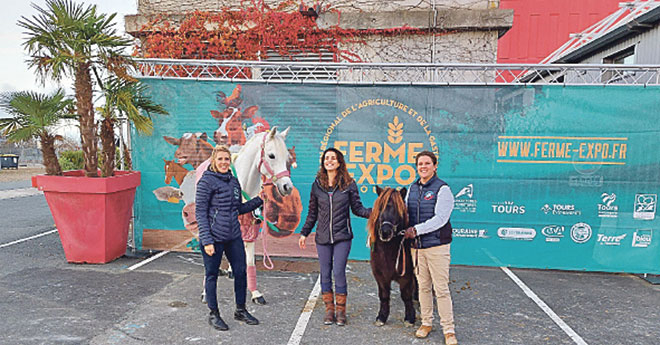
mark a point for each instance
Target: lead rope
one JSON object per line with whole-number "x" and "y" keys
{"x": 264, "y": 234}
{"x": 264, "y": 224}
{"x": 398, "y": 255}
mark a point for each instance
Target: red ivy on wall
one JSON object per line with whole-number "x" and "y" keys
{"x": 247, "y": 33}
{"x": 250, "y": 32}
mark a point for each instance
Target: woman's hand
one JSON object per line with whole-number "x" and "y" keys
{"x": 209, "y": 249}
{"x": 301, "y": 242}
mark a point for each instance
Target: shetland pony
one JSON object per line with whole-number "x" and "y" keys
{"x": 390, "y": 252}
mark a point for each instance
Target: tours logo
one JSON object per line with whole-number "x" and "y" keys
{"x": 561, "y": 209}
{"x": 642, "y": 238}
{"x": 470, "y": 233}
{"x": 508, "y": 207}
{"x": 606, "y": 209}
{"x": 581, "y": 233}
{"x": 525, "y": 234}
{"x": 376, "y": 159}
{"x": 645, "y": 205}
{"x": 606, "y": 240}
{"x": 463, "y": 201}
{"x": 553, "y": 233}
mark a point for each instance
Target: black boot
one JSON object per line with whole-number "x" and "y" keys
{"x": 241, "y": 314}
{"x": 217, "y": 322}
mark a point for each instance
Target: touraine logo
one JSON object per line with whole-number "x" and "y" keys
{"x": 525, "y": 234}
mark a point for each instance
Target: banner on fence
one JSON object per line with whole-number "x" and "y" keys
{"x": 542, "y": 176}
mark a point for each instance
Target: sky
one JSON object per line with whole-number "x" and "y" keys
{"x": 14, "y": 72}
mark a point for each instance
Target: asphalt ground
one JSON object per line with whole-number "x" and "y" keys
{"x": 44, "y": 300}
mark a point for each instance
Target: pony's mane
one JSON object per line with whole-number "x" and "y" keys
{"x": 379, "y": 208}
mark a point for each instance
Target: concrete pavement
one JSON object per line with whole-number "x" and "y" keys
{"x": 44, "y": 300}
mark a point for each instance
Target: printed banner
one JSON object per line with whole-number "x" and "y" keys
{"x": 560, "y": 177}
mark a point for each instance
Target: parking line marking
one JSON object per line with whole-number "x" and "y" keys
{"x": 567, "y": 329}
{"x": 28, "y": 238}
{"x": 161, "y": 254}
{"x": 298, "y": 332}
{"x": 20, "y": 192}
{"x": 144, "y": 262}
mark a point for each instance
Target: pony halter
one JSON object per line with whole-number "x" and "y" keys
{"x": 394, "y": 233}
{"x": 262, "y": 161}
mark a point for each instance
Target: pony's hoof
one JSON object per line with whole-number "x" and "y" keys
{"x": 259, "y": 300}
{"x": 203, "y": 298}
{"x": 230, "y": 274}
{"x": 379, "y": 323}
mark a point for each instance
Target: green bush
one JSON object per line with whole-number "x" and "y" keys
{"x": 71, "y": 160}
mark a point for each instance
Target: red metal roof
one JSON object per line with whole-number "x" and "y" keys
{"x": 541, "y": 26}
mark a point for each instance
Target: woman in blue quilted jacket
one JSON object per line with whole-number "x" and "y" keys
{"x": 334, "y": 194}
{"x": 218, "y": 204}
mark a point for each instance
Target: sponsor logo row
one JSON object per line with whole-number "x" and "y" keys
{"x": 644, "y": 207}
{"x": 579, "y": 233}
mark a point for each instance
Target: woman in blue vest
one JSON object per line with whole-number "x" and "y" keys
{"x": 218, "y": 204}
{"x": 430, "y": 202}
{"x": 333, "y": 192}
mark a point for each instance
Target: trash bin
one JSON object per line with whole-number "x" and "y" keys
{"x": 9, "y": 161}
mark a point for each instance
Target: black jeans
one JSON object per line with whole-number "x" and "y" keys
{"x": 235, "y": 253}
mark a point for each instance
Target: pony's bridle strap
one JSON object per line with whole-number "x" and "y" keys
{"x": 394, "y": 233}
{"x": 262, "y": 161}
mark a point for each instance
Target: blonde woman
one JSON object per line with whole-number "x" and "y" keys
{"x": 218, "y": 204}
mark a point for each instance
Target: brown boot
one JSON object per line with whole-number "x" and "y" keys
{"x": 341, "y": 309}
{"x": 329, "y": 300}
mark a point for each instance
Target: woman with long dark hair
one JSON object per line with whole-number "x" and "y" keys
{"x": 333, "y": 193}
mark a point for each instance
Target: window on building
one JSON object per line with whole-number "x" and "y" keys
{"x": 622, "y": 57}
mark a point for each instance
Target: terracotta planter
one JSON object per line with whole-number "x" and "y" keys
{"x": 92, "y": 215}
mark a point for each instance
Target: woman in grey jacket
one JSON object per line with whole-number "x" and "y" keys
{"x": 333, "y": 192}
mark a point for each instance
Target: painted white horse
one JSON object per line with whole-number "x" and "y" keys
{"x": 263, "y": 155}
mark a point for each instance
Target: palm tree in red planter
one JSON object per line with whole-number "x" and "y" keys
{"x": 92, "y": 215}
{"x": 69, "y": 39}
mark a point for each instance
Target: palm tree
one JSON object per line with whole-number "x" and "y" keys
{"x": 34, "y": 116}
{"x": 69, "y": 39}
{"x": 124, "y": 98}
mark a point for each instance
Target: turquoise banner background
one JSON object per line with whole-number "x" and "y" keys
{"x": 543, "y": 176}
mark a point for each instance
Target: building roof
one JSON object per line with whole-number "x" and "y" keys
{"x": 629, "y": 20}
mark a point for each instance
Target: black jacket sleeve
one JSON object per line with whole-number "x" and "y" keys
{"x": 202, "y": 201}
{"x": 312, "y": 214}
{"x": 356, "y": 205}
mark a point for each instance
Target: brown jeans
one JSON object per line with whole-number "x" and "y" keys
{"x": 432, "y": 271}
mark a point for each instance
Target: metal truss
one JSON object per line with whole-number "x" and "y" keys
{"x": 399, "y": 73}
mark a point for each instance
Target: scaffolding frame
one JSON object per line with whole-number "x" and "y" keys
{"x": 398, "y": 73}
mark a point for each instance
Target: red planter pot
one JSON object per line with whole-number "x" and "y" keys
{"x": 92, "y": 215}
